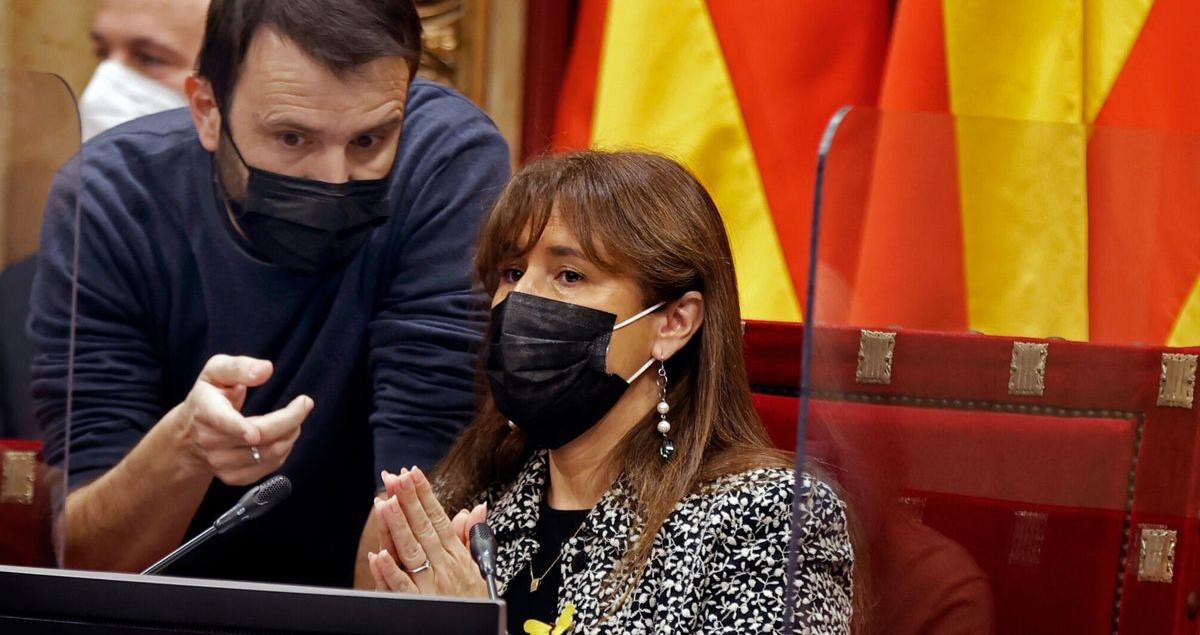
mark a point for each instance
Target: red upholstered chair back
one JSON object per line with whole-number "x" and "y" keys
{"x": 980, "y": 511}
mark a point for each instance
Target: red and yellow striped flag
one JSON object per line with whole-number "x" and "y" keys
{"x": 1081, "y": 230}
{"x": 740, "y": 92}
{"x": 1035, "y": 229}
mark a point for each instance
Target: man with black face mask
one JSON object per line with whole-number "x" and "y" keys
{"x": 276, "y": 279}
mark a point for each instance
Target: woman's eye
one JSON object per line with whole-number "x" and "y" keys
{"x": 511, "y": 275}
{"x": 290, "y": 139}
{"x": 570, "y": 277}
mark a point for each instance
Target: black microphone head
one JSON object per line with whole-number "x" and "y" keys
{"x": 483, "y": 549}
{"x": 482, "y": 537}
{"x": 273, "y": 490}
{"x": 483, "y": 546}
{"x": 256, "y": 502}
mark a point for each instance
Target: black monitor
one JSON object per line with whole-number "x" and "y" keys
{"x": 69, "y": 602}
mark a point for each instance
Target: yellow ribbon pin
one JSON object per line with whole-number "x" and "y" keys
{"x": 561, "y": 625}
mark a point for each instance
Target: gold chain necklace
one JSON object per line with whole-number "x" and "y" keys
{"x": 536, "y": 581}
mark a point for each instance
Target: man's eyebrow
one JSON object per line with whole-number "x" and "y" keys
{"x": 277, "y": 121}
{"x": 99, "y": 40}
{"x": 391, "y": 121}
{"x": 147, "y": 42}
{"x": 284, "y": 120}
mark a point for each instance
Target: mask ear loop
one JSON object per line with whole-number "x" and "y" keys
{"x": 631, "y": 320}
{"x": 638, "y": 316}
{"x": 229, "y": 135}
{"x": 641, "y": 371}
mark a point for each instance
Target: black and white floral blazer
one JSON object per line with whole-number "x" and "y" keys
{"x": 718, "y": 563}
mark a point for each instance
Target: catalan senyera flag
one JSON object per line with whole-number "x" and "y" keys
{"x": 1088, "y": 230}
{"x": 740, "y": 93}
{"x": 1036, "y": 230}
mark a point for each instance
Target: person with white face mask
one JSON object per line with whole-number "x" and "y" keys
{"x": 147, "y": 49}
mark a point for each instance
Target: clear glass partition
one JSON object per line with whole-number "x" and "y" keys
{"x": 988, "y": 372}
{"x": 39, "y": 133}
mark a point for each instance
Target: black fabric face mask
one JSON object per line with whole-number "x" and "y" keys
{"x": 546, "y": 366}
{"x": 306, "y": 225}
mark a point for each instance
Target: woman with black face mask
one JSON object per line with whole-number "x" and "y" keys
{"x": 618, "y": 456}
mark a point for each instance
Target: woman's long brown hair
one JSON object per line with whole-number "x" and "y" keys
{"x": 645, "y": 216}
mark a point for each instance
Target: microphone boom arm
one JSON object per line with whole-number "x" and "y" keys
{"x": 170, "y": 558}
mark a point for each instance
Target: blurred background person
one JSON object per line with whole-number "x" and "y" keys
{"x": 146, "y": 50}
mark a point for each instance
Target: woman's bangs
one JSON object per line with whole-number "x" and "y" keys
{"x": 585, "y": 220}
{"x": 515, "y": 225}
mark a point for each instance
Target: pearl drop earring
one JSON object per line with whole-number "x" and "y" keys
{"x": 667, "y": 448}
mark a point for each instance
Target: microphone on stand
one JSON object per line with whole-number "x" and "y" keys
{"x": 483, "y": 549}
{"x": 254, "y": 503}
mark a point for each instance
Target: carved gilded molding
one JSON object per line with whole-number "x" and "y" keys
{"x": 478, "y": 47}
{"x": 455, "y": 42}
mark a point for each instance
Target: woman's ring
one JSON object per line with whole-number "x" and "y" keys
{"x": 425, "y": 565}
{"x": 256, "y": 454}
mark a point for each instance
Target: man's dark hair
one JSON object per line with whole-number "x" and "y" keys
{"x": 338, "y": 34}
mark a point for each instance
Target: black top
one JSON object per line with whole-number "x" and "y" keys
{"x": 554, "y": 528}
{"x": 385, "y": 344}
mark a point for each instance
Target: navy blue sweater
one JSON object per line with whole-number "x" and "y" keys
{"x": 386, "y": 345}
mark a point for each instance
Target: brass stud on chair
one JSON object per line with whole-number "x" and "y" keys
{"x": 1027, "y": 372}
{"x": 17, "y": 477}
{"x": 875, "y": 350}
{"x": 1177, "y": 381}
{"x": 1029, "y": 533}
{"x": 1156, "y": 558}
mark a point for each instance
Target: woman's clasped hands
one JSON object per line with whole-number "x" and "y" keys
{"x": 422, "y": 550}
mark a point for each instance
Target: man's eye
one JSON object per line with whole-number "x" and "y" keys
{"x": 365, "y": 141}
{"x": 291, "y": 139}
{"x": 511, "y": 275}
{"x": 149, "y": 60}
